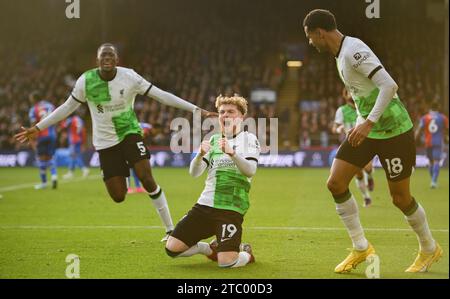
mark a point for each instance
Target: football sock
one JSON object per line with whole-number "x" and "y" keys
{"x": 199, "y": 248}
{"x": 80, "y": 162}
{"x": 347, "y": 209}
{"x": 417, "y": 219}
{"x": 362, "y": 186}
{"x": 42, "y": 170}
{"x": 160, "y": 202}
{"x": 73, "y": 162}
{"x": 52, "y": 166}
{"x": 242, "y": 260}
{"x": 435, "y": 172}
{"x": 430, "y": 170}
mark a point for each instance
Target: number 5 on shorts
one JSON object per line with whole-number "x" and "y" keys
{"x": 141, "y": 147}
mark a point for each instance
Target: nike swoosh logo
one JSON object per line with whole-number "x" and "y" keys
{"x": 391, "y": 177}
{"x": 226, "y": 239}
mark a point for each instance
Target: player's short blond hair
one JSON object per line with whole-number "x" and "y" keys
{"x": 238, "y": 101}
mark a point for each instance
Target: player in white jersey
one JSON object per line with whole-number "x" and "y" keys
{"x": 109, "y": 91}
{"x": 231, "y": 159}
{"x": 383, "y": 128}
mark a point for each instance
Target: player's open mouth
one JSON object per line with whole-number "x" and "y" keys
{"x": 227, "y": 123}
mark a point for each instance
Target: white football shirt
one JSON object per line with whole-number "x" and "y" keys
{"x": 111, "y": 104}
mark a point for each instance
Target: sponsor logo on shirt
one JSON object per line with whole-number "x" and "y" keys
{"x": 100, "y": 109}
{"x": 361, "y": 60}
{"x": 357, "y": 56}
{"x": 224, "y": 163}
{"x": 115, "y": 107}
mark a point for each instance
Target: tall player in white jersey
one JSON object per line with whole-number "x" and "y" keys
{"x": 109, "y": 91}
{"x": 383, "y": 128}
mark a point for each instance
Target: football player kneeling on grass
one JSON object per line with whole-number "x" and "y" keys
{"x": 231, "y": 160}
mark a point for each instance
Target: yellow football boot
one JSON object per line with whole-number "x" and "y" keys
{"x": 423, "y": 260}
{"x": 354, "y": 259}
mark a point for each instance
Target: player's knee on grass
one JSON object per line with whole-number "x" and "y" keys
{"x": 171, "y": 253}
{"x": 175, "y": 247}
{"x": 226, "y": 259}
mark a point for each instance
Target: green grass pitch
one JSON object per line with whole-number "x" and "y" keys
{"x": 292, "y": 226}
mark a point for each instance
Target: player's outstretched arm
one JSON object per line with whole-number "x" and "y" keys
{"x": 60, "y": 113}
{"x": 26, "y": 134}
{"x": 169, "y": 99}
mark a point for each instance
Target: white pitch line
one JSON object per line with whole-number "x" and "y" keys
{"x": 381, "y": 229}
{"x": 60, "y": 182}
{"x": 305, "y": 228}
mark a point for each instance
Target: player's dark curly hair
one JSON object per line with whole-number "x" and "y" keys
{"x": 320, "y": 18}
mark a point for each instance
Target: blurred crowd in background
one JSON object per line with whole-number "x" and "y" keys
{"x": 200, "y": 52}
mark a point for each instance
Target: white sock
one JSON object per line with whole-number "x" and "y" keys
{"x": 418, "y": 222}
{"x": 242, "y": 260}
{"x": 348, "y": 211}
{"x": 362, "y": 186}
{"x": 162, "y": 208}
{"x": 200, "y": 247}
